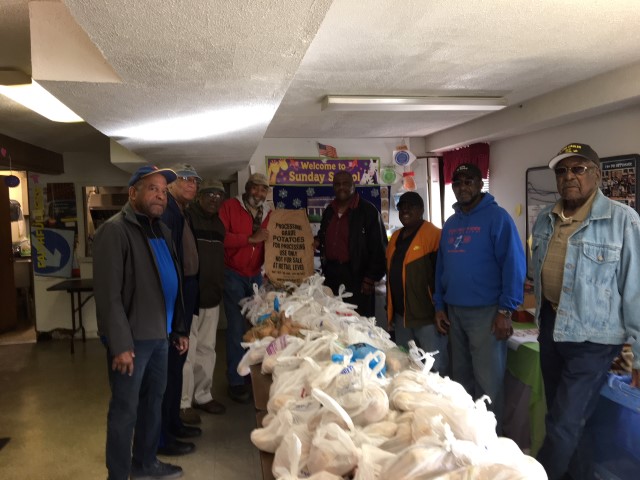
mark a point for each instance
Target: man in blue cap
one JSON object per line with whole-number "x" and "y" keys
{"x": 139, "y": 307}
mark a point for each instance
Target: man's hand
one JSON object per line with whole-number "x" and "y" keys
{"x": 635, "y": 378}
{"x": 123, "y": 362}
{"x": 501, "y": 327}
{"x": 442, "y": 322}
{"x": 181, "y": 344}
{"x": 316, "y": 243}
{"x": 260, "y": 235}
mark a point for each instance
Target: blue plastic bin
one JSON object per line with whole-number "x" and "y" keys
{"x": 610, "y": 447}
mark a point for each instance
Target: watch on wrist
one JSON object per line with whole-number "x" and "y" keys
{"x": 505, "y": 313}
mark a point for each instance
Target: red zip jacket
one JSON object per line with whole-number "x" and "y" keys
{"x": 239, "y": 255}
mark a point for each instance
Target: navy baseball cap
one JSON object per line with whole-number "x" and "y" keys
{"x": 147, "y": 170}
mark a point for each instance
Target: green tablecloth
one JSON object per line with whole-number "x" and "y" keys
{"x": 524, "y": 364}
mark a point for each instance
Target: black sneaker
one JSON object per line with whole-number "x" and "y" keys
{"x": 239, "y": 393}
{"x": 158, "y": 470}
{"x": 176, "y": 448}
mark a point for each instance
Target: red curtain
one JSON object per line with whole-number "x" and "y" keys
{"x": 476, "y": 154}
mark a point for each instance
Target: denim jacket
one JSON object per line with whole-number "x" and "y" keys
{"x": 600, "y": 298}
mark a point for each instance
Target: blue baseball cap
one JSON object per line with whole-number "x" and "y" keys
{"x": 147, "y": 170}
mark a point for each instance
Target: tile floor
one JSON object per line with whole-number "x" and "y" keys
{"x": 53, "y": 409}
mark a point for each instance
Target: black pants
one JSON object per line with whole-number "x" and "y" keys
{"x": 573, "y": 373}
{"x": 173, "y": 394}
{"x": 337, "y": 274}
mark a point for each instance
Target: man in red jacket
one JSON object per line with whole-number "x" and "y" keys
{"x": 245, "y": 219}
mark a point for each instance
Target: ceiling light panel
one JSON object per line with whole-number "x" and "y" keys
{"x": 411, "y": 104}
{"x": 197, "y": 126}
{"x": 34, "y": 97}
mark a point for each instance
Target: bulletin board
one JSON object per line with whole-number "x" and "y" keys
{"x": 619, "y": 178}
{"x": 307, "y": 183}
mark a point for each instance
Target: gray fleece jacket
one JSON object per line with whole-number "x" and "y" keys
{"x": 130, "y": 303}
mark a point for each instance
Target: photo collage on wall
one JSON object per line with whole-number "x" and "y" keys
{"x": 619, "y": 179}
{"x": 306, "y": 183}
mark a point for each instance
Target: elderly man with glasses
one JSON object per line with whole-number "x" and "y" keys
{"x": 181, "y": 193}
{"x": 585, "y": 267}
{"x": 201, "y": 358}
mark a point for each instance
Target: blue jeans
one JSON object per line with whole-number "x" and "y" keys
{"x": 428, "y": 339}
{"x": 136, "y": 405}
{"x": 573, "y": 374}
{"x": 478, "y": 359}
{"x": 236, "y": 287}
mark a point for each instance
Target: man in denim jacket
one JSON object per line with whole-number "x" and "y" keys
{"x": 586, "y": 265}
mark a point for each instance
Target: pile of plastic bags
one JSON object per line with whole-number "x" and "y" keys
{"x": 346, "y": 402}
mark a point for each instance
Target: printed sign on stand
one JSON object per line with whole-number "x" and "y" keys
{"x": 52, "y": 250}
{"x": 54, "y": 227}
{"x": 289, "y": 250}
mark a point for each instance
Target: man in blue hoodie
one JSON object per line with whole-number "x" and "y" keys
{"x": 480, "y": 275}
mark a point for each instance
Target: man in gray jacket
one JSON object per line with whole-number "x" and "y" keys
{"x": 137, "y": 285}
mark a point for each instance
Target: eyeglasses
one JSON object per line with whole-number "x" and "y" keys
{"x": 467, "y": 182}
{"x": 195, "y": 180}
{"x": 214, "y": 195}
{"x": 576, "y": 170}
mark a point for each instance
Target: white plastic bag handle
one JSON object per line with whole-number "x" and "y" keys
{"x": 331, "y": 404}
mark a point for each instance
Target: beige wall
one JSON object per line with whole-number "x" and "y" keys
{"x": 610, "y": 134}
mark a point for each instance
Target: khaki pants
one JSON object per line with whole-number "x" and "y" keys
{"x": 201, "y": 358}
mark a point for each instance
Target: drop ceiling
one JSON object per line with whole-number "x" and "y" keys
{"x": 180, "y": 59}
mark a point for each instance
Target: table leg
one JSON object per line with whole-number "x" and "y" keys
{"x": 80, "y": 304}
{"x": 73, "y": 322}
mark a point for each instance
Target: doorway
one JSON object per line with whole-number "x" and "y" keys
{"x": 17, "y": 322}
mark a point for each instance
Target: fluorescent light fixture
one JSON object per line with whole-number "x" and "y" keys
{"x": 201, "y": 125}
{"x": 36, "y": 98}
{"x": 411, "y": 104}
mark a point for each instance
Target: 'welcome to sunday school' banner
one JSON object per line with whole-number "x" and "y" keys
{"x": 320, "y": 171}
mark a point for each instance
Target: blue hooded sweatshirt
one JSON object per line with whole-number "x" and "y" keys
{"x": 481, "y": 260}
